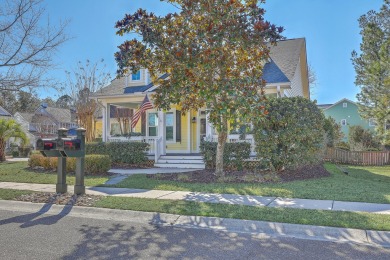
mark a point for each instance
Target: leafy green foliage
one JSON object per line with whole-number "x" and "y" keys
{"x": 292, "y": 133}
{"x": 214, "y": 52}
{"x": 233, "y": 156}
{"x": 333, "y": 132}
{"x": 120, "y": 152}
{"x": 372, "y": 68}
{"x": 95, "y": 164}
{"x": 361, "y": 139}
{"x": 9, "y": 128}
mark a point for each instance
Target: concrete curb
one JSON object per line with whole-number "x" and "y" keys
{"x": 256, "y": 228}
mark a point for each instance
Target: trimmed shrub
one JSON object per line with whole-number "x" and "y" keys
{"x": 95, "y": 164}
{"x": 121, "y": 152}
{"x": 291, "y": 134}
{"x": 361, "y": 139}
{"x": 24, "y": 151}
{"x": 233, "y": 156}
{"x": 333, "y": 132}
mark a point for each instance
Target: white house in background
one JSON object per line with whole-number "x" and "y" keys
{"x": 173, "y": 132}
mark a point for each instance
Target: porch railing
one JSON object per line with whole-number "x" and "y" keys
{"x": 150, "y": 140}
{"x": 157, "y": 146}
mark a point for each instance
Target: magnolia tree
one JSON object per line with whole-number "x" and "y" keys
{"x": 214, "y": 52}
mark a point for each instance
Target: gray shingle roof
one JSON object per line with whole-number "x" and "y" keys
{"x": 281, "y": 69}
{"x": 286, "y": 55}
{"x": 60, "y": 114}
{"x": 4, "y": 112}
{"x": 27, "y": 116}
{"x": 116, "y": 87}
{"x": 324, "y": 106}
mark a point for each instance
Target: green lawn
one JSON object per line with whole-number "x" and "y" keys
{"x": 283, "y": 215}
{"x": 365, "y": 184}
{"x": 18, "y": 172}
{"x": 8, "y": 194}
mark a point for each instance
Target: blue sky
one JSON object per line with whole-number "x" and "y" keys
{"x": 329, "y": 26}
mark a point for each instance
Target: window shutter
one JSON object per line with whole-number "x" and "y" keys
{"x": 143, "y": 124}
{"x": 178, "y": 126}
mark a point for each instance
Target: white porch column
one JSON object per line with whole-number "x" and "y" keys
{"x": 161, "y": 131}
{"x": 104, "y": 128}
{"x": 209, "y": 129}
{"x": 107, "y": 122}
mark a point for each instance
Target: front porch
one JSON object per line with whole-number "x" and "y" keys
{"x": 172, "y": 158}
{"x": 171, "y": 133}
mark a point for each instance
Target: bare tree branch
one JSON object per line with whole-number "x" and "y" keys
{"x": 26, "y": 47}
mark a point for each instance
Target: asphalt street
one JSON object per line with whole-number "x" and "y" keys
{"x": 43, "y": 236}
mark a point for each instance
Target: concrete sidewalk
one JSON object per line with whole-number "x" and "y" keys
{"x": 215, "y": 198}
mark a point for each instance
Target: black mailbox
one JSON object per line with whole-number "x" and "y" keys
{"x": 48, "y": 147}
{"x": 70, "y": 147}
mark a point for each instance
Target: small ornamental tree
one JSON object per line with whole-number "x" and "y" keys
{"x": 333, "y": 132}
{"x": 214, "y": 52}
{"x": 292, "y": 133}
{"x": 361, "y": 139}
{"x": 9, "y": 128}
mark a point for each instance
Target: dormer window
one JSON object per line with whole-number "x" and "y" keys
{"x": 136, "y": 76}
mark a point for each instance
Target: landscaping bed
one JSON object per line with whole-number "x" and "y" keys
{"x": 60, "y": 199}
{"x": 208, "y": 176}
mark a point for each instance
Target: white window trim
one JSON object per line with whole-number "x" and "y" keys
{"x": 136, "y": 80}
{"x": 154, "y": 111}
{"x": 345, "y": 104}
{"x": 173, "y": 111}
{"x": 151, "y": 111}
{"x": 341, "y": 122}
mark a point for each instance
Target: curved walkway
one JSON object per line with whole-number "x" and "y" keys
{"x": 215, "y": 198}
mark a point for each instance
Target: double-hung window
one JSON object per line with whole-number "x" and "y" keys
{"x": 136, "y": 76}
{"x": 169, "y": 126}
{"x": 152, "y": 124}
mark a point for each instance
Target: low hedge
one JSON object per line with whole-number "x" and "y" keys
{"x": 126, "y": 152}
{"x": 95, "y": 164}
{"x": 233, "y": 156}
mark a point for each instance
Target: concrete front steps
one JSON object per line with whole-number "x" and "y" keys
{"x": 181, "y": 161}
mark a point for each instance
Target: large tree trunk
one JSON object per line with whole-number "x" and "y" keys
{"x": 2, "y": 150}
{"x": 222, "y": 136}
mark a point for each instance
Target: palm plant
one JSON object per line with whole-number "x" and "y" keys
{"x": 9, "y": 128}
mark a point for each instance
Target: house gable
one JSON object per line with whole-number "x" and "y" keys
{"x": 345, "y": 112}
{"x": 4, "y": 113}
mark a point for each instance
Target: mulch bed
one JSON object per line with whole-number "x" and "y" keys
{"x": 208, "y": 176}
{"x": 60, "y": 199}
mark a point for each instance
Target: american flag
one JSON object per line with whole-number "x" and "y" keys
{"x": 145, "y": 105}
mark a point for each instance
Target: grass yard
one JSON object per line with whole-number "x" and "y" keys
{"x": 9, "y": 194}
{"x": 364, "y": 184}
{"x": 18, "y": 172}
{"x": 283, "y": 215}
